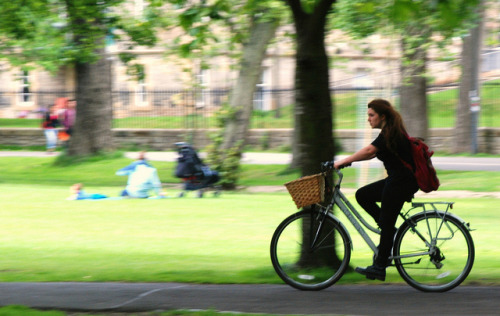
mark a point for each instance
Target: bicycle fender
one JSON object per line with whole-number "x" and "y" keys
{"x": 456, "y": 217}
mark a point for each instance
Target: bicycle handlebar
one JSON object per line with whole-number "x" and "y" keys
{"x": 328, "y": 165}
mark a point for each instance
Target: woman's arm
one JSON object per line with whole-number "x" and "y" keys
{"x": 364, "y": 153}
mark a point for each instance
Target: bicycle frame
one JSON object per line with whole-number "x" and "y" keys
{"x": 351, "y": 213}
{"x": 358, "y": 221}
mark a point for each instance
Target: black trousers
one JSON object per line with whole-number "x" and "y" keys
{"x": 391, "y": 194}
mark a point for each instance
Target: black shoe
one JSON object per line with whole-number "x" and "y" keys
{"x": 372, "y": 272}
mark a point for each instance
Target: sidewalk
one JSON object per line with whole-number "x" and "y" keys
{"x": 374, "y": 299}
{"x": 443, "y": 163}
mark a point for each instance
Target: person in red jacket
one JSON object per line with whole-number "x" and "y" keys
{"x": 50, "y": 124}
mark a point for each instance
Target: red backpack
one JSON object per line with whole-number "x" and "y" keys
{"x": 424, "y": 170}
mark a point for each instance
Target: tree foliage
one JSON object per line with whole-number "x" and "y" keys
{"x": 211, "y": 28}
{"x": 415, "y": 23}
{"x": 57, "y": 33}
{"x": 362, "y": 18}
{"x": 54, "y": 33}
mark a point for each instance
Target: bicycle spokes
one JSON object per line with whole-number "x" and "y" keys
{"x": 440, "y": 260}
{"x": 309, "y": 253}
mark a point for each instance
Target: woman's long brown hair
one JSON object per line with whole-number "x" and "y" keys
{"x": 394, "y": 129}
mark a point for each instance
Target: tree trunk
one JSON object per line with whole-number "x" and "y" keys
{"x": 241, "y": 99}
{"x": 92, "y": 131}
{"x": 413, "y": 91}
{"x": 469, "y": 87}
{"x": 312, "y": 139}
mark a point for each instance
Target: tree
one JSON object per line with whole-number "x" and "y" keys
{"x": 58, "y": 33}
{"x": 241, "y": 100}
{"x": 414, "y": 82}
{"x": 415, "y": 22}
{"x": 466, "y": 119}
{"x": 249, "y": 26}
{"x": 313, "y": 140}
{"x": 94, "y": 113}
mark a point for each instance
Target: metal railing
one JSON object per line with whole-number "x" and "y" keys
{"x": 197, "y": 108}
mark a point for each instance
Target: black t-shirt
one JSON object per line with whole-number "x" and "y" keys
{"x": 392, "y": 162}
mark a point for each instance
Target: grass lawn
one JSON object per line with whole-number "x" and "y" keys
{"x": 101, "y": 172}
{"x": 44, "y": 237}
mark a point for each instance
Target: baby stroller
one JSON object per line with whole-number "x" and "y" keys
{"x": 193, "y": 172}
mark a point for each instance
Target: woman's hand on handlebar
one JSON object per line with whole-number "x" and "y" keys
{"x": 339, "y": 165}
{"x": 328, "y": 165}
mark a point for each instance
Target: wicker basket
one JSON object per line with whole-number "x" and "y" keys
{"x": 307, "y": 190}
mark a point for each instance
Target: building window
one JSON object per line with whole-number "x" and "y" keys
{"x": 25, "y": 93}
{"x": 262, "y": 95}
{"x": 202, "y": 84}
{"x": 141, "y": 93}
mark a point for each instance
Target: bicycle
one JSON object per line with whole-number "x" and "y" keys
{"x": 310, "y": 250}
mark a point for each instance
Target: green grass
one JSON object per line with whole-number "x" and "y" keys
{"x": 15, "y": 310}
{"x": 44, "y": 237}
{"x": 214, "y": 240}
{"x": 17, "y": 122}
{"x": 43, "y": 171}
{"x": 101, "y": 172}
{"x": 477, "y": 181}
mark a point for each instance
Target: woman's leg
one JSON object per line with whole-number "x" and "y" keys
{"x": 393, "y": 198}
{"x": 368, "y": 196}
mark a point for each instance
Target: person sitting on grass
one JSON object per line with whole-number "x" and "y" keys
{"x": 142, "y": 178}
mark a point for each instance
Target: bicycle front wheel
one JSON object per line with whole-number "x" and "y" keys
{"x": 310, "y": 250}
{"x": 433, "y": 252}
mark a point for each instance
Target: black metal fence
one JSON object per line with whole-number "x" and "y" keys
{"x": 198, "y": 108}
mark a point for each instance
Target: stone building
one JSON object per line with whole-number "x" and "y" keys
{"x": 356, "y": 63}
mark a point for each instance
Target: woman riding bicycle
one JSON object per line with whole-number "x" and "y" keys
{"x": 390, "y": 147}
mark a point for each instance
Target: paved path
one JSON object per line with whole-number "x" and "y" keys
{"x": 376, "y": 299}
{"x": 443, "y": 163}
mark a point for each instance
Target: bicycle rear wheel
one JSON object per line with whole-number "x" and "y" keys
{"x": 310, "y": 251}
{"x": 440, "y": 263}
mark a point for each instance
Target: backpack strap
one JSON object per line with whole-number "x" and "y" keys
{"x": 404, "y": 162}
